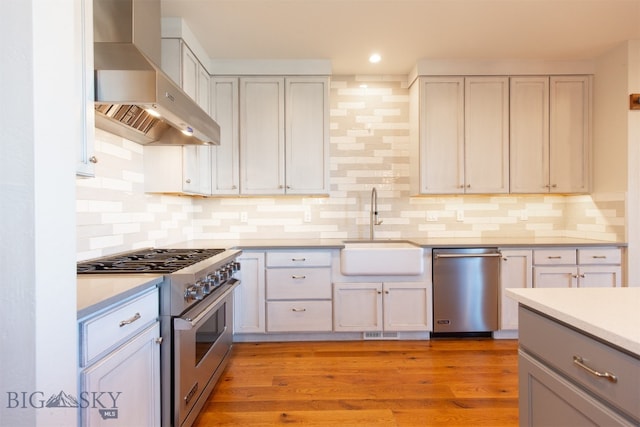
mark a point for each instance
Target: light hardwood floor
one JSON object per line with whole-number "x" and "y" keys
{"x": 469, "y": 382}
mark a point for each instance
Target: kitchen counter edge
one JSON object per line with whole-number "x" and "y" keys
{"x": 458, "y": 242}
{"x": 608, "y": 314}
{"x": 96, "y": 292}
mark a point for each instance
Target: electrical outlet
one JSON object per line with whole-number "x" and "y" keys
{"x": 432, "y": 216}
{"x": 523, "y": 215}
{"x": 459, "y": 215}
{"x": 244, "y": 218}
{"x": 307, "y": 216}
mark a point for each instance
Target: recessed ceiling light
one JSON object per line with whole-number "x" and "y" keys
{"x": 375, "y": 58}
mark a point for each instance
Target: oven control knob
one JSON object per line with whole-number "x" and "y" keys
{"x": 206, "y": 286}
{"x": 213, "y": 280}
{"x": 194, "y": 292}
{"x": 236, "y": 265}
{"x": 223, "y": 274}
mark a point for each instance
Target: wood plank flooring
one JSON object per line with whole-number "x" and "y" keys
{"x": 468, "y": 382}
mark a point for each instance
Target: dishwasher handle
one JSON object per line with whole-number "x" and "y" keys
{"x": 493, "y": 254}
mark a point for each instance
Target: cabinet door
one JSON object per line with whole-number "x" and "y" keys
{"x": 441, "y": 135}
{"x": 600, "y": 276}
{"x": 86, "y": 160}
{"x": 357, "y": 307}
{"x": 262, "y": 135}
{"x": 127, "y": 382}
{"x": 515, "y": 272}
{"x": 547, "y": 399}
{"x": 555, "y": 277}
{"x": 306, "y": 139}
{"x": 249, "y": 297}
{"x": 486, "y": 135}
{"x": 407, "y": 307}
{"x": 196, "y": 169}
{"x": 569, "y": 139}
{"x": 225, "y": 157}
{"x": 529, "y": 134}
{"x": 189, "y": 76}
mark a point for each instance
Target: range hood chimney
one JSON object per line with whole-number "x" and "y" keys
{"x": 133, "y": 97}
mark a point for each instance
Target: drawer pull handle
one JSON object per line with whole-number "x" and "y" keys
{"x": 580, "y": 362}
{"x": 298, "y": 310}
{"x": 130, "y": 320}
{"x": 599, "y": 257}
{"x": 298, "y": 277}
{"x": 298, "y": 259}
{"x": 554, "y": 257}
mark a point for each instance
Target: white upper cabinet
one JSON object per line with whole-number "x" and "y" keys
{"x": 529, "y": 134}
{"x": 262, "y": 135}
{"x": 486, "y": 134}
{"x": 570, "y": 137}
{"x": 441, "y": 135}
{"x": 550, "y": 134}
{"x": 86, "y": 159}
{"x": 306, "y": 135}
{"x": 225, "y": 160}
{"x": 489, "y": 135}
{"x": 464, "y": 135}
{"x": 283, "y": 135}
{"x": 182, "y": 65}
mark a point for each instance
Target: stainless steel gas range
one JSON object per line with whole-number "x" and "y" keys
{"x": 196, "y": 319}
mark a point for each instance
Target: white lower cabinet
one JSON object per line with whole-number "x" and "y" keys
{"x": 299, "y": 291}
{"x": 120, "y": 364}
{"x": 398, "y": 306}
{"x": 249, "y": 297}
{"x": 515, "y": 272}
{"x": 577, "y": 268}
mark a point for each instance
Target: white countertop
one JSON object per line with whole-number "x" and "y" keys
{"x": 611, "y": 314}
{"x": 271, "y": 243}
{"x": 97, "y": 291}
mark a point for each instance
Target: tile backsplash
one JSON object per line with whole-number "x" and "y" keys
{"x": 369, "y": 147}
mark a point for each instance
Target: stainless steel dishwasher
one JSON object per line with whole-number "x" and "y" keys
{"x": 466, "y": 283}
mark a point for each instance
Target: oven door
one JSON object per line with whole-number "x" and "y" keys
{"x": 202, "y": 341}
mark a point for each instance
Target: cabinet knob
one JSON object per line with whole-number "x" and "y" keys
{"x": 159, "y": 340}
{"x": 93, "y": 159}
{"x": 188, "y": 180}
{"x": 468, "y": 185}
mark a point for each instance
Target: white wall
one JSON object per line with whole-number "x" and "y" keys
{"x": 39, "y": 128}
{"x": 633, "y": 199}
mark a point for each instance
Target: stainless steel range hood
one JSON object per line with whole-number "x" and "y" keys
{"x": 133, "y": 97}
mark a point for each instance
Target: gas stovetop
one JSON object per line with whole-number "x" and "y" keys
{"x": 147, "y": 261}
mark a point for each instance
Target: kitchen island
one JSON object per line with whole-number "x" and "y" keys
{"x": 579, "y": 356}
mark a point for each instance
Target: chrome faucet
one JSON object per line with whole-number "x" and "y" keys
{"x": 373, "y": 215}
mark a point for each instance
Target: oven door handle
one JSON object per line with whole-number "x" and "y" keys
{"x": 186, "y": 323}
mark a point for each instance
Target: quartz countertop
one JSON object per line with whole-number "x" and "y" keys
{"x": 610, "y": 314}
{"x": 503, "y": 242}
{"x": 97, "y": 291}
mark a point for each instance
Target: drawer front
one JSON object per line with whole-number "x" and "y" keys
{"x": 299, "y": 316}
{"x": 557, "y": 345}
{"x": 110, "y": 329}
{"x": 599, "y": 256}
{"x": 299, "y": 283}
{"x": 299, "y": 259}
{"x": 554, "y": 256}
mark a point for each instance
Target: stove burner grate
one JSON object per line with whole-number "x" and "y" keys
{"x": 147, "y": 261}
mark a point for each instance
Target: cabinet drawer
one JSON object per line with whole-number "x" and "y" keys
{"x": 557, "y": 345}
{"x": 554, "y": 256}
{"x": 299, "y": 259}
{"x": 299, "y": 283}
{"x": 108, "y": 330}
{"x": 299, "y": 316}
{"x": 599, "y": 256}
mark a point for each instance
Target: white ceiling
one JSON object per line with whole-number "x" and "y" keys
{"x": 403, "y": 31}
